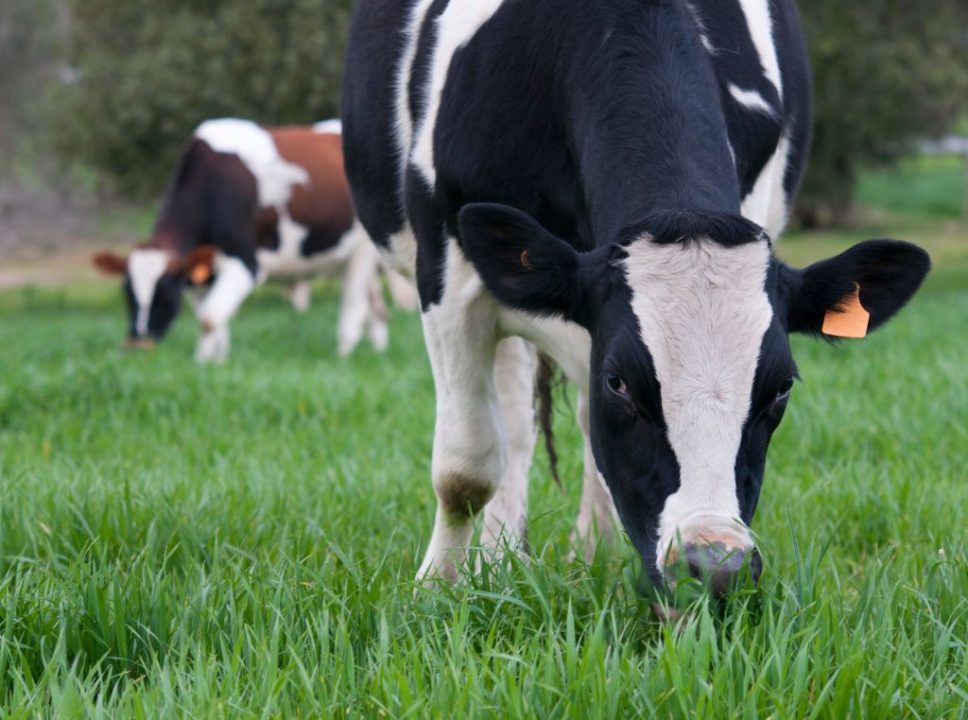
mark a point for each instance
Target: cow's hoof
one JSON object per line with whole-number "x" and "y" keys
{"x": 379, "y": 337}
{"x": 347, "y": 346}
{"x": 139, "y": 344}
{"x": 205, "y": 359}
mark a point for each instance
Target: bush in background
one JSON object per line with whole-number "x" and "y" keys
{"x": 30, "y": 33}
{"x": 151, "y": 70}
{"x": 887, "y": 73}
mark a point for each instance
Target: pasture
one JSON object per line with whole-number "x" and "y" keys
{"x": 240, "y": 541}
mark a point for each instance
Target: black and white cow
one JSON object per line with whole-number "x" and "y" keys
{"x": 248, "y": 203}
{"x": 602, "y": 179}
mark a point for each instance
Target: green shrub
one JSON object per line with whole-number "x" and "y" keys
{"x": 886, "y": 73}
{"x": 29, "y": 37}
{"x": 151, "y": 70}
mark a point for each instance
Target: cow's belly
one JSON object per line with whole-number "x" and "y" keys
{"x": 288, "y": 261}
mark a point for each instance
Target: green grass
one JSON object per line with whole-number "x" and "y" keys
{"x": 922, "y": 186}
{"x": 240, "y": 541}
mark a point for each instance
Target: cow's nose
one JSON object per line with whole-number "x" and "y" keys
{"x": 720, "y": 567}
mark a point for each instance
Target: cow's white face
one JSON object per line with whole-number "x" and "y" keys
{"x": 702, "y": 310}
{"x": 154, "y": 280}
{"x": 153, "y": 292}
{"x": 683, "y": 405}
{"x": 691, "y": 368}
{"x": 146, "y": 268}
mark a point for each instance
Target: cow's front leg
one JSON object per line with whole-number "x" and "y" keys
{"x": 505, "y": 519}
{"x": 213, "y": 344}
{"x": 402, "y": 291}
{"x": 233, "y": 284}
{"x": 354, "y": 310}
{"x": 469, "y": 453}
{"x": 377, "y": 329}
{"x": 570, "y": 346}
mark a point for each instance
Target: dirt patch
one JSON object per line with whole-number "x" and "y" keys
{"x": 47, "y": 237}
{"x": 62, "y": 267}
{"x": 37, "y": 222}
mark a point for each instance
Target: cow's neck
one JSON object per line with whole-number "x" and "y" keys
{"x": 650, "y": 132}
{"x": 179, "y": 228}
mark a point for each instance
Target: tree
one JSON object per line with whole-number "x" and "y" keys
{"x": 151, "y": 70}
{"x": 886, "y": 73}
{"x": 30, "y": 31}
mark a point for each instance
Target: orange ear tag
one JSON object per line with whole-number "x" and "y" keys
{"x": 849, "y": 319}
{"x": 200, "y": 273}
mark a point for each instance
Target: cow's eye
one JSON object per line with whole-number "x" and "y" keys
{"x": 617, "y": 385}
{"x": 785, "y": 389}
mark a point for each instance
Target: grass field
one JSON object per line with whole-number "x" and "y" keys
{"x": 240, "y": 541}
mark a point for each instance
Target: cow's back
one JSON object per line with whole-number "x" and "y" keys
{"x": 757, "y": 50}
{"x": 501, "y": 131}
{"x": 323, "y": 203}
{"x": 277, "y": 198}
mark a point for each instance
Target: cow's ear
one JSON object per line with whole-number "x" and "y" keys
{"x": 110, "y": 264}
{"x": 886, "y": 273}
{"x": 196, "y": 267}
{"x": 522, "y": 264}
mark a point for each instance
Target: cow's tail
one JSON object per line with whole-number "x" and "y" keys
{"x": 545, "y": 380}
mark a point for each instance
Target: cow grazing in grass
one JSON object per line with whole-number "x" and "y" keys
{"x": 248, "y": 203}
{"x": 603, "y": 180}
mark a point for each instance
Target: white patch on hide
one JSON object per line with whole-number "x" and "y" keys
{"x": 329, "y": 127}
{"x": 779, "y": 209}
{"x": 766, "y": 203}
{"x": 701, "y": 25}
{"x": 404, "y": 122}
{"x": 233, "y": 283}
{"x": 760, "y": 25}
{"x": 254, "y": 146}
{"x": 287, "y": 262}
{"x": 751, "y": 100}
{"x": 455, "y": 28}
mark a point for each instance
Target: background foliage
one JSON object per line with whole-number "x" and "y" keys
{"x": 151, "y": 70}
{"x": 885, "y": 73}
{"x": 185, "y": 541}
{"x": 145, "y": 72}
{"x": 30, "y": 32}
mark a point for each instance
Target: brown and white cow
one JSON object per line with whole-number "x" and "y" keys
{"x": 249, "y": 203}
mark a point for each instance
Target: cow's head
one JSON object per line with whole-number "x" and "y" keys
{"x": 153, "y": 283}
{"x": 691, "y": 368}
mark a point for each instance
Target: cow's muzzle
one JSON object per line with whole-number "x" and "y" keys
{"x": 721, "y": 568}
{"x": 721, "y": 564}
